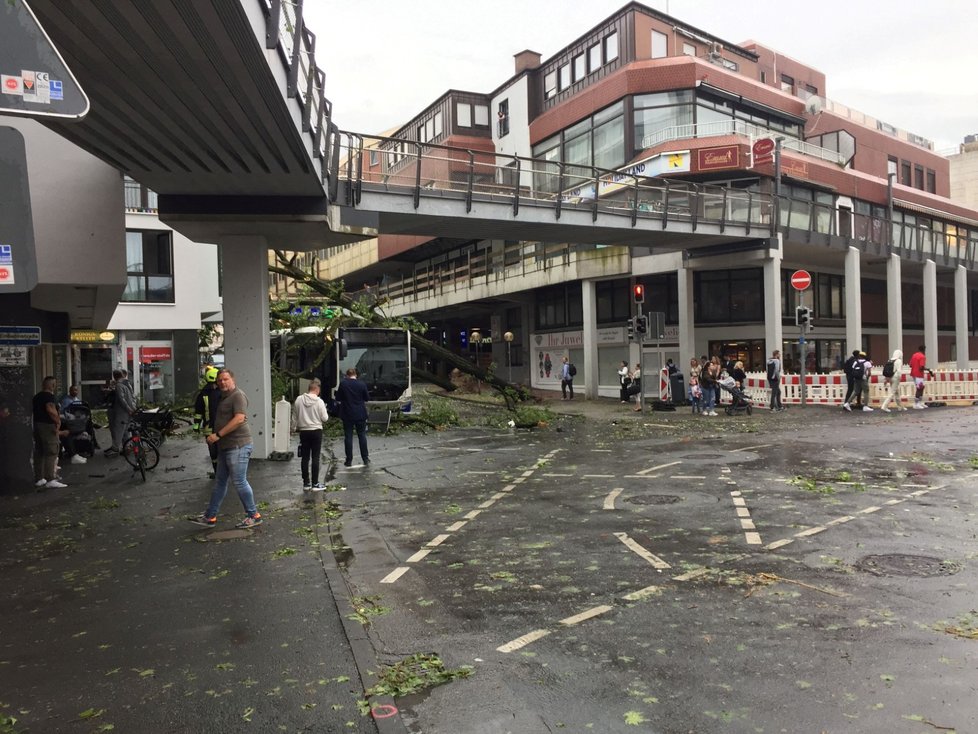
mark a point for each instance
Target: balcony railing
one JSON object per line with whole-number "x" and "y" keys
{"x": 739, "y": 127}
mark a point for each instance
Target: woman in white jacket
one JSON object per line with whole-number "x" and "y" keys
{"x": 308, "y": 415}
{"x": 891, "y": 385}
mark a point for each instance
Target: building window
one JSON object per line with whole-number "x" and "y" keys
{"x": 831, "y": 297}
{"x": 559, "y": 306}
{"x": 918, "y": 177}
{"x": 660, "y": 45}
{"x": 580, "y": 67}
{"x": 655, "y": 112}
{"x": 149, "y": 267}
{"x": 565, "y": 77}
{"x": 463, "y": 114}
{"x": 439, "y": 128}
{"x": 905, "y": 173}
{"x": 787, "y": 83}
{"x": 138, "y": 197}
{"x": 502, "y": 115}
{"x": 729, "y": 296}
{"x": 481, "y": 114}
{"x": 550, "y": 85}
{"x": 594, "y": 57}
{"x": 374, "y": 157}
{"x": 689, "y": 49}
{"x": 611, "y": 48}
{"x": 613, "y": 301}
{"x": 931, "y": 181}
{"x": 891, "y": 165}
{"x": 763, "y": 77}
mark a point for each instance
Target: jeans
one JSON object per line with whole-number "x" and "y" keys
{"x": 565, "y": 386}
{"x": 361, "y": 429}
{"x": 776, "y": 395}
{"x": 233, "y": 464}
{"x": 709, "y": 397}
{"x": 310, "y": 447}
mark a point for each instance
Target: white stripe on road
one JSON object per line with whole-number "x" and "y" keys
{"x": 742, "y": 512}
{"x": 779, "y": 543}
{"x": 738, "y": 500}
{"x": 557, "y": 475}
{"x": 585, "y": 615}
{"x": 487, "y": 504}
{"x": 869, "y": 510}
{"x": 472, "y": 515}
{"x": 643, "y": 593}
{"x": 751, "y": 448}
{"x": 523, "y": 641}
{"x": 395, "y": 575}
{"x": 695, "y": 573}
{"x": 438, "y": 540}
{"x": 660, "y": 466}
{"x": 598, "y": 476}
{"x": 609, "y": 501}
{"x": 840, "y": 520}
{"x": 685, "y": 476}
{"x": 642, "y": 552}
{"x": 457, "y": 526}
{"x": 811, "y": 531}
{"x": 747, "y": 524}
{"x": 418, "y": 556}
{"x": 509, "y": 488}
{"x": 753, "y": 538}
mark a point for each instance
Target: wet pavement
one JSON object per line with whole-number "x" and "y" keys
{"x": 808, "y": 571}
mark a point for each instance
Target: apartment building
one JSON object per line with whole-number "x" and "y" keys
{"x": 865, "y": 207}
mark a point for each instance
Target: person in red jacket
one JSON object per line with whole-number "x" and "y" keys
{"x": 918, "y": 371}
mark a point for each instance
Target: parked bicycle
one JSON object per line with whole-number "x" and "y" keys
{"x": 157, "y": 423}
{"x": 141, "y": 452}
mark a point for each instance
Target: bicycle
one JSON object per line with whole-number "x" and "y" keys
{"x": 156, "y": 424}
{"x": 140, "y": 452}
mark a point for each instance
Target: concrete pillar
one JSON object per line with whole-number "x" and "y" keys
{"x": 930, "y": 312}
{"x": 773, "y": 336}
{"x": 854, "y": 309}
{"x": 590, "y": 333}
{"x": 246, "y": 347}
{"x": 687, "y": 330}
{"x": 961, "y": 315}
{"x": 894, "y": 305}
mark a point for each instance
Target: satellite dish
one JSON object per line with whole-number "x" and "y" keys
{"x": 814, "y": 105}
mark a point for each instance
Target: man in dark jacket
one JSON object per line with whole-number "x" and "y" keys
{"x": 352, "y": 396}
{"x": 205, "y": 409}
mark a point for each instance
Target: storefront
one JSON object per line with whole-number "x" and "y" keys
{"x": 150, "y": 365}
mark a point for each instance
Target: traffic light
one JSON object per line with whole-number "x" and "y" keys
{"x": 631, "y": 328}
{"x": 803, "y": 317}
{"x": 641, "y": 325}
{"x": 638, "y": 293}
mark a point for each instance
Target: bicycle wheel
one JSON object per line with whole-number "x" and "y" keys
{"x": 149, "y": 433}
{"x": 141, "y": 453}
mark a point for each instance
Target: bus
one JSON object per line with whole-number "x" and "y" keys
{"x": 382, "y": 358}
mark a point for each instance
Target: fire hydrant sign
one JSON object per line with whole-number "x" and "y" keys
{"x": 6, "y": 264}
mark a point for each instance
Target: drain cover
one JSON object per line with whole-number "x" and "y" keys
{"x": 655, "y": 499}
{"x": 899, "y": 564}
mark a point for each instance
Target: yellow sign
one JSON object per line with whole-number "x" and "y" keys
{"x": 90, "y": 336}
{"x": 677, "y": 160}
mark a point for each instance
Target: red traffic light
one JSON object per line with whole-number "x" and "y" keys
{"x": 638, "y": 293}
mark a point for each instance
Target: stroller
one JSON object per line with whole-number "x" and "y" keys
{"x": 77, "y": 420}
{"x": 740, "y": 402}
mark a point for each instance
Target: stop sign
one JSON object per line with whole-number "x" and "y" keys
{"x": 801, "y": 279}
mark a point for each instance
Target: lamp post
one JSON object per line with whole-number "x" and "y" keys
{"x": 508, "y": 338}
{"x": 476, "y": 337}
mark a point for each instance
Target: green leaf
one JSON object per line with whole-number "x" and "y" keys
{"x": 634, "y": 718}
{"x": 91, "y": 713}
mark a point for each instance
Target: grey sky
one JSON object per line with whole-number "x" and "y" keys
{"x": 909, "y": 63}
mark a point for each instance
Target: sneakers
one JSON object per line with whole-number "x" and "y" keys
{"x": 40, "y": 482}
{"x": 867, "y": 409}
{"x": 885, "y": 409}
{"x": 111, "y": 451}
{"x": 918, "y": 406}
{"x": 347, "y": 463}
{"x": 306, "y": 487}
{"x": 55, "y": 484}
{"x": 249, "y": 522}
{"x": 318, "y": 487}
{"x": 78, "y": 459}
{"x": 203, "y": 520}
{"x": 712, "y": 412}
{"x": 846, "y": 406}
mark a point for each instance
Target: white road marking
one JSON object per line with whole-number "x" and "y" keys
{"x": 528, "y": 473}
{"x": 642, "y": 552}
{"x": 395, "y": 575}
{"x": 751, "y": 448}
{"x": 779, "y": 543}
{"x": 480, "y": 472}
{"x": 884, "y": 458}
{"x": 685, "y": 476}
{"x": 471, "y": 515}
{"x": 753, "y": 538}
{"x": 498, "y": 496}
{"x": 598, "y": 476}
{"x": 811, "y": 531}
{"x": 557, "y": 475}
{"x": 488, "y": 503}
{"x": 742, "y": 512}
{"x": 695, "y": 573}
{"x": 840, "y": 520}
{"x": 660, "y": 466}
{"x": 585, "y": 615}
{"x": 454, "y": 527}
{"x": 919, "y": 492}
{"x": 609, "y": 501}
{"x": 738, "y": 500}
{"x": 438, "y": 540}
{"x": 418, "y": 556}
{"x": 643, "y": 593}
{"x": 747, "y": 524}
{"x": 523, "y": 641}
{"x": 735, "y": 493}
{"x": 519, "y": 480}
{"x": 868, "y": 510}
{"x": 508, "y": 488}
{"x": 893, "y": 502}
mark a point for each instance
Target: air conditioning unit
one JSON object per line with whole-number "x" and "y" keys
{"x": 716, "y": 49}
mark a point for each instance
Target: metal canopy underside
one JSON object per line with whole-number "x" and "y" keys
{"x": 185, "y": 98}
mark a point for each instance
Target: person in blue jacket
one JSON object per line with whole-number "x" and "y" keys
{"x": 352, "y": 396}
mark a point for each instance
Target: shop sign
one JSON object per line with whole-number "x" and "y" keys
{"x": 91, "y": 336}
{"x": 763, "y": 151}
{"x": 656, "y": 165}
{"x": 25, "y": 336}
{"x": 714, "y": 159}
{"x": 793, "y": 168}
{"x": 155, "y": 354}
{"x": 13, "y": 356}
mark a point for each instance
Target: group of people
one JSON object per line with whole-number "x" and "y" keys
{"x": 630, "y": 382}
{"x": 858, "y": 369}
{"x": 706, "y": 375}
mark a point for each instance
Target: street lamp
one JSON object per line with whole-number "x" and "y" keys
{"x": 476, "y": 338}
{"x": 508, "y": 338}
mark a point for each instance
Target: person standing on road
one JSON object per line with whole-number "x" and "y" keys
{"x": 918, "y": 371}
{"x": 205, "y": 411}
{"x": 47, "y": 433}
{"x": 847, "y": 367}
{"x": 623, "y": 381}
{"x": 353, "y": 396}
{"x": 709, "y": 380}
{"x": 233, "y": 438}
{"x": 308, "y": 415}
{"x": 862, "y": 371}
{"x": 774, "y": 379}
{"x": 891, "y": 382}
{"x": 122, "y": 404}
{"x": 566, "y": 380}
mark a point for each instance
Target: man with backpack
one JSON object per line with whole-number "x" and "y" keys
{"x": 891, "y": 381}
{"x": 861, "y": 372}
{"x": 567, "y": 372}
{"x": 850, "y": 378}
{"x": 774, "y": 379}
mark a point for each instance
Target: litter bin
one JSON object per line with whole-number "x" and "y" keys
{"x": 678, "y": 387}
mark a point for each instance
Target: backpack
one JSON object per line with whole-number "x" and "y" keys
{"x": 847, "y": 367}
{"x": 572, "y": 370}
{"x": 888, "y": 369}
{"x": 771, "y": 377}
{"x": 858, "y": 370}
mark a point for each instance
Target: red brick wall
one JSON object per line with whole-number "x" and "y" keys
{"x": 774, "y": 64}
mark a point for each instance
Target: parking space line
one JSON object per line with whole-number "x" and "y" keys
{"x": 556, "y": 475}
{"x": 660, "y": 466}
{"x": 685, "y": 476}
{"x": 523, "y": 641}
{"x": 585, "y": 615}
{"x": 419, "y": 555}
{"x": 609, "y": 501}
{"x": 395, "y": 575}
{"x": 457, "y": 526}
{"x": 638, "y": 550}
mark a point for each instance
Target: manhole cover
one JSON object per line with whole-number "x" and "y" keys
{"x": 655, "y": 499}
{"x": 899, "y": 564}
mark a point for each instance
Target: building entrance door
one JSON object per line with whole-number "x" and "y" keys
{"x": 151, "y": 367}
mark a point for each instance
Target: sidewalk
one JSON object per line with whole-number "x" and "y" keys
{"x": 117, "y": 611}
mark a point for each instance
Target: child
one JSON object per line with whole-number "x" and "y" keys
{"x": 695, "y": 395}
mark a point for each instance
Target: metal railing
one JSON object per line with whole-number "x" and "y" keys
{"x": 739, "y": 127}
{"x": 285, "y": 30}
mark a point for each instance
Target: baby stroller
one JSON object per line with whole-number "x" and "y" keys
{"x": 77, "y": 420}
{"x": 740, "y": 402}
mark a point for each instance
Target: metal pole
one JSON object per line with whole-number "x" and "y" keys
{"x": 641, "y": 373}
{"x": 801, "y": 347}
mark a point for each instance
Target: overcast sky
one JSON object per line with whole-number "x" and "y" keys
{"x": 911, "y": 63}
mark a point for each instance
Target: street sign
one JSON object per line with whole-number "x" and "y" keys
{"x": 20, "y": 336}
{"x": 763, "y": 151}
{"x": 34, "y": 79}
{"x": 801, "y": 280}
